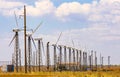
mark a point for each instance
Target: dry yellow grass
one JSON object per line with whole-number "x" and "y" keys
{"x": 114, "y": 73}
{"x": 63, "y": 74}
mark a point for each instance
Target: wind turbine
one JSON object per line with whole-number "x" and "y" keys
{"x": 95, "y": 61}
{"x": 40, "y": 43}
{"x": 65, "y": 55}
{"x": 55, "y": 55}
{"x": 69, "y": 50}
{"x": 16, "y": 38}
{"x": 48, "y": 56}
{"x": 30, "y": 38}
{"x": 74, "y": 60}
{"x": 80, "y": 59}
{"x": 77, "y": 55}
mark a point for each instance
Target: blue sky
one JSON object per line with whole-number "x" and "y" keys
{"x": 90, "y": 23}
{"x": 58, "y": 2}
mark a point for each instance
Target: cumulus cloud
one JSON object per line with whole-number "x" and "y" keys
{"x": 8, "y": 5}
{"x": 93, "y": 11}
{"x": 67, "y": 9}
{"x": 41, "y": 7}
{"x": 108, "y": 13}
{"x": 101, "y": 11}
{"x": 7, "y": 8}
{"x": 109, "y": 1}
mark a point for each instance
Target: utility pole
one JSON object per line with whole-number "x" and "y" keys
{"x": 25, "y": 39}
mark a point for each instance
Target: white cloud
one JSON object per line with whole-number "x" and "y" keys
{"x": 8, "y": 5}
{"x": 10, "y": 12}
{"x": 109, "y": 1}
{"x": 106, "y": 11}
{"x": 93, "y": 11}
{"x": 95, "y": 17}
{"x": 67, "y": 9}
{"x": 7, "y": 8}
{"x": 41, "y": 7}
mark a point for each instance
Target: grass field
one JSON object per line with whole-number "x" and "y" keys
{"x": 115, "y": 72}
{"x": 63, "y": 74}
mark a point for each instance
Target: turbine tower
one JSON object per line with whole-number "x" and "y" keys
{"x": 55, "y": 54}
{"x": 30, "y": 38}
{"x": 16, "y": 48}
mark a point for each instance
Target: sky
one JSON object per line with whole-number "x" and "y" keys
{"x": 91, "y": 24}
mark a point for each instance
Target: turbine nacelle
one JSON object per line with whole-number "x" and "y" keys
{"x": 29, "y": 34}
{"x": 16, "y": 30}
{"x": 38, "y": 38}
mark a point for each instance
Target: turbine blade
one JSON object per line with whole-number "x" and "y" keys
{"x": 73, "y": 43}
{"x": 34, "y": 43}
{"x": 12, "y": 40}
{"x": 58, "y": 38}
{"x": 37, "y": 27}
{"x": 43, "y": 49}
{"x": 16, "y": 19}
